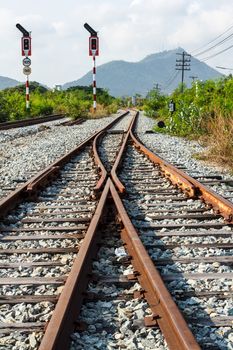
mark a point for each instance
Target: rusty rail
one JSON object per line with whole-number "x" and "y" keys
{"x": 165, "y": 312}
{"x": 69, "y": 303}
{"x": 172, "y": 173}
{"x": 118, "y": 160}
{"x": 98, "y": 161}
{"x": 30, "y": 121}
{"x": 99, "y": 164}
{"x": 169, "y": 170}
{"x": 190, "y": 185}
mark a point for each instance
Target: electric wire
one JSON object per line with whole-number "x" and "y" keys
{"x": 210, "y": 42}
{"x": 214, "y": 46}
{"x": 216, "y": 54}
{"x": 171, "y": 80}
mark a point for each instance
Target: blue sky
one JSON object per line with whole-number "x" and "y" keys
{"x": 128, "y": 30}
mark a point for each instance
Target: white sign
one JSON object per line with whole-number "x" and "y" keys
{"x": 26, "y": 62}
{"x": 27, "y": 70}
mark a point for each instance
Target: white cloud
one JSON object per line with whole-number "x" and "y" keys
{"x": 128, "y": 29}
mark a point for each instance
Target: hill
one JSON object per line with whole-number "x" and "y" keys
{"x": 123, "y": 78}
{"x": 8, "y": 82}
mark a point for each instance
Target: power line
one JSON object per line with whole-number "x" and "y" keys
{"x": 170, "y": 81}
{"x": 210, "y": 42}
{"x": 224, "y": 68}
{"x": 214, "y": 46}
{"x": 218, "y": 53}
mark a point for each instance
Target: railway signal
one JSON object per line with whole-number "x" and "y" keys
{"x": 22, "y": 29}
{"x": 93, "y": 51}
{"x": 26, "y": 46}
{"x": 26, "y": 50}
{"x": 93, "y": 46}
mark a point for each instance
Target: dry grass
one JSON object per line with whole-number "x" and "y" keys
{"x": 100, "y": 112}
{"x": 220, "y": 140}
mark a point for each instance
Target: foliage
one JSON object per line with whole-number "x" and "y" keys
{"x": 155, "y": 101}
{"x": 194, "y": 107}
{"x": 76, "y": 102}
{"x": 204, "y": 111}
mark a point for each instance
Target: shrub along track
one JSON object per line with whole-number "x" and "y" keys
{"x": 167, "y": 221}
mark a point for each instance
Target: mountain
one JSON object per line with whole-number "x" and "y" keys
{"x": 8, "y": 82}
{"x": 123, "y": 78}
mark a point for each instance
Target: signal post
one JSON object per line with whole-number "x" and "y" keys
{"x": 93, "y": 51}
{"x": 26, "y": 50}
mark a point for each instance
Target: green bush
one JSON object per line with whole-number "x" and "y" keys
{"x": 195, "y": 107}
{"x": 76, "y": 102}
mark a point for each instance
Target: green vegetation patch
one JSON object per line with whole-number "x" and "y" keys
{"x": 75, "y": 102}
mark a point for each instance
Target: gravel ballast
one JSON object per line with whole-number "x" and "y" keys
{"x": 25, "y": 151}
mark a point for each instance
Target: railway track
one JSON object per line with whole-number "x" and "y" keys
{"x": 139, "y": 292}
{"x": 25, "y": 151}
{"x": 220, "y": 183}
{"x": 30, "y": 121}
{"x": 39, "y": 241}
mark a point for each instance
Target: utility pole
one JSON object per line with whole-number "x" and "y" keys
{"x": 193, "y": 77}
{"x": 183, "y": 64}
{"x": 157, "y": 87}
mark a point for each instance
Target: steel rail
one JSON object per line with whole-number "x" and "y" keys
{"x": 199, "y": 190}
{"x": 34, "y": 184}
{"x": 169, "y": 171}
{"x": 99, "y": 162}
{"x": 61, "y": 324}
{"x": 30, "y": 121}
{"x": 165, "y": 312}
{"x": 118, "y": 160}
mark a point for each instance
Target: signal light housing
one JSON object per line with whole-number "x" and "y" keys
{"x": 26, "y": 46}
{"x": 93, "y": 46}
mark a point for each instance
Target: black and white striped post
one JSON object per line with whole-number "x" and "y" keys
{"x": 93, "y": 51}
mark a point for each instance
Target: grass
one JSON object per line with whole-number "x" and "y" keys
{"x": 219, "y": 141}
{"x": 101, "y": 111}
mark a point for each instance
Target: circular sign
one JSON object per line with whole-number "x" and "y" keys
{"x": 26, "y": 62}
{"x": 27, "y": 70}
